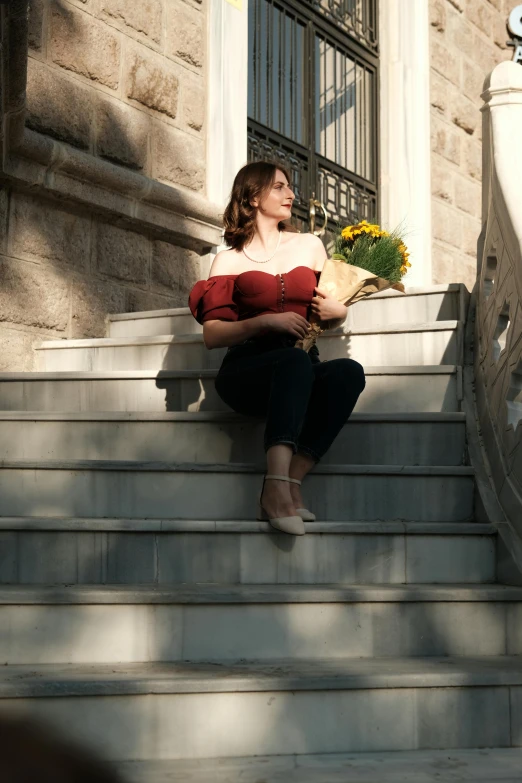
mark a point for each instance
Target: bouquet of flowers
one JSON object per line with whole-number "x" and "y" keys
{"x": 366, "y": 260}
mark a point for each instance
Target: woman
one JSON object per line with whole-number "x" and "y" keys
{"x": 259, "y": 313}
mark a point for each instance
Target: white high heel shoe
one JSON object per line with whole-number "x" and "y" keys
{"x": 294, "y": 524}
{"x": 305, "y": 515}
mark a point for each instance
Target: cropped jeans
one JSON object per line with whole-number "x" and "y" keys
{"x": 305, "y": 401}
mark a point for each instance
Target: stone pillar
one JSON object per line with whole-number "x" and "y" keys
{"x": 404, "y": 130}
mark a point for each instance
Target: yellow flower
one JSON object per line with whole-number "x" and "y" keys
{"x": 352, "y": 232}
{"x": 404, "y": 255}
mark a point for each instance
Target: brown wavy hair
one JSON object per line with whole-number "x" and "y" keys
{"x": 252, "y": 181}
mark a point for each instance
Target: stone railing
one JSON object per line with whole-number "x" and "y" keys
{"x": 498, "y": 300}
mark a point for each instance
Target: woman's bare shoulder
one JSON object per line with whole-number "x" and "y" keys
{"x": 224, "y": 263}
{"x": 304, "y": 239}
{"x": 313, "y": 241}
{"x": 316, "y": 251}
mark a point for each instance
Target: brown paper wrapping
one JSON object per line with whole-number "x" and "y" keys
{"x": 348, "y": 284}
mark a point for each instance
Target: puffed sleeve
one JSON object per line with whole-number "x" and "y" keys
{"x": 213, "y": 299}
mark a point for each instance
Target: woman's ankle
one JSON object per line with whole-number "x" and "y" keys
{"x": 300, "y": 465}
{"x": 278, "y": 488}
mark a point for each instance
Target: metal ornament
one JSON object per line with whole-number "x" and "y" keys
{"x": 515, "y": 28}
{"x": 313, "y": 203}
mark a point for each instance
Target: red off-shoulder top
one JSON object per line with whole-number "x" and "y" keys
{"x": 252, "y": 293}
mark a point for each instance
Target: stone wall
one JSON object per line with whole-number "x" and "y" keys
{"x": 62, "y": 271}
{"x": 122, "y": 82}
{"x": 467, "y": 39}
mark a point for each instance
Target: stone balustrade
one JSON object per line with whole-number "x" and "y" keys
{"x": 498, "y": 322}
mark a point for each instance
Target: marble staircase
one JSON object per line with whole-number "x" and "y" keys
{"x": 146, "y": 612}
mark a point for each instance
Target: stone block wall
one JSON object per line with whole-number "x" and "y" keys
{"x": 63, "y": 271}
{"x": 467, "y": 39}
{"x": 125, "y": 82}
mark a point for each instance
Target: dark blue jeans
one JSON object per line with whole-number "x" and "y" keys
{"x": 305, "y": 401}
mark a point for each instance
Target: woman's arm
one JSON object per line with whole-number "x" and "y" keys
{"x": 224, "y": 334}
{"x": 320, "y": 256}
{"x": 319, "y": 252}
{"x": 220, "y": 334}
{"x": 335, "y": 323}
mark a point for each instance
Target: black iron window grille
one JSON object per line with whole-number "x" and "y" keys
{"x": 356, "y": 17}
{"x": 312, "y": 101}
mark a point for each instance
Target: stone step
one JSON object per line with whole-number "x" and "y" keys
{"x": 487, "y": 765}
{"x": 100, "y": 488}
{"x": 389, "y": 389}
{"x": 166, "y": 551}
{"x": 419, "y": 305}
{"x": 439, "y": 342}
{"x": 51, "y": 625}
{"x": 150, "y": 323}
{"x": 170, "y": 711}
{"x": 390, "y": 439}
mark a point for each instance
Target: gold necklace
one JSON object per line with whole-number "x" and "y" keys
{"x": 268, "y": 259}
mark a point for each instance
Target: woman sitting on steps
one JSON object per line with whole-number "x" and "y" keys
{"x": 259, "y": 314}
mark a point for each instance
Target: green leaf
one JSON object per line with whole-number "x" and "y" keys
{"x": 378, "y": 255}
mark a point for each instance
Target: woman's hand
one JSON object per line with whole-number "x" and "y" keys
{"x": 326, "y": 308}
{"x": 290, "y": 322}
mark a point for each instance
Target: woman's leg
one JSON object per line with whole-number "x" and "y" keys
{"x": 277, "y": 497}
{"x": 274, "y": 384}
{"x": 337, "y": 386}
{"x": 300, "y": 465}
{"x": 277, "y": 385}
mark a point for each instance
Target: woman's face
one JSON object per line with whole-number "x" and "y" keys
{"x": 277, "y": 202}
